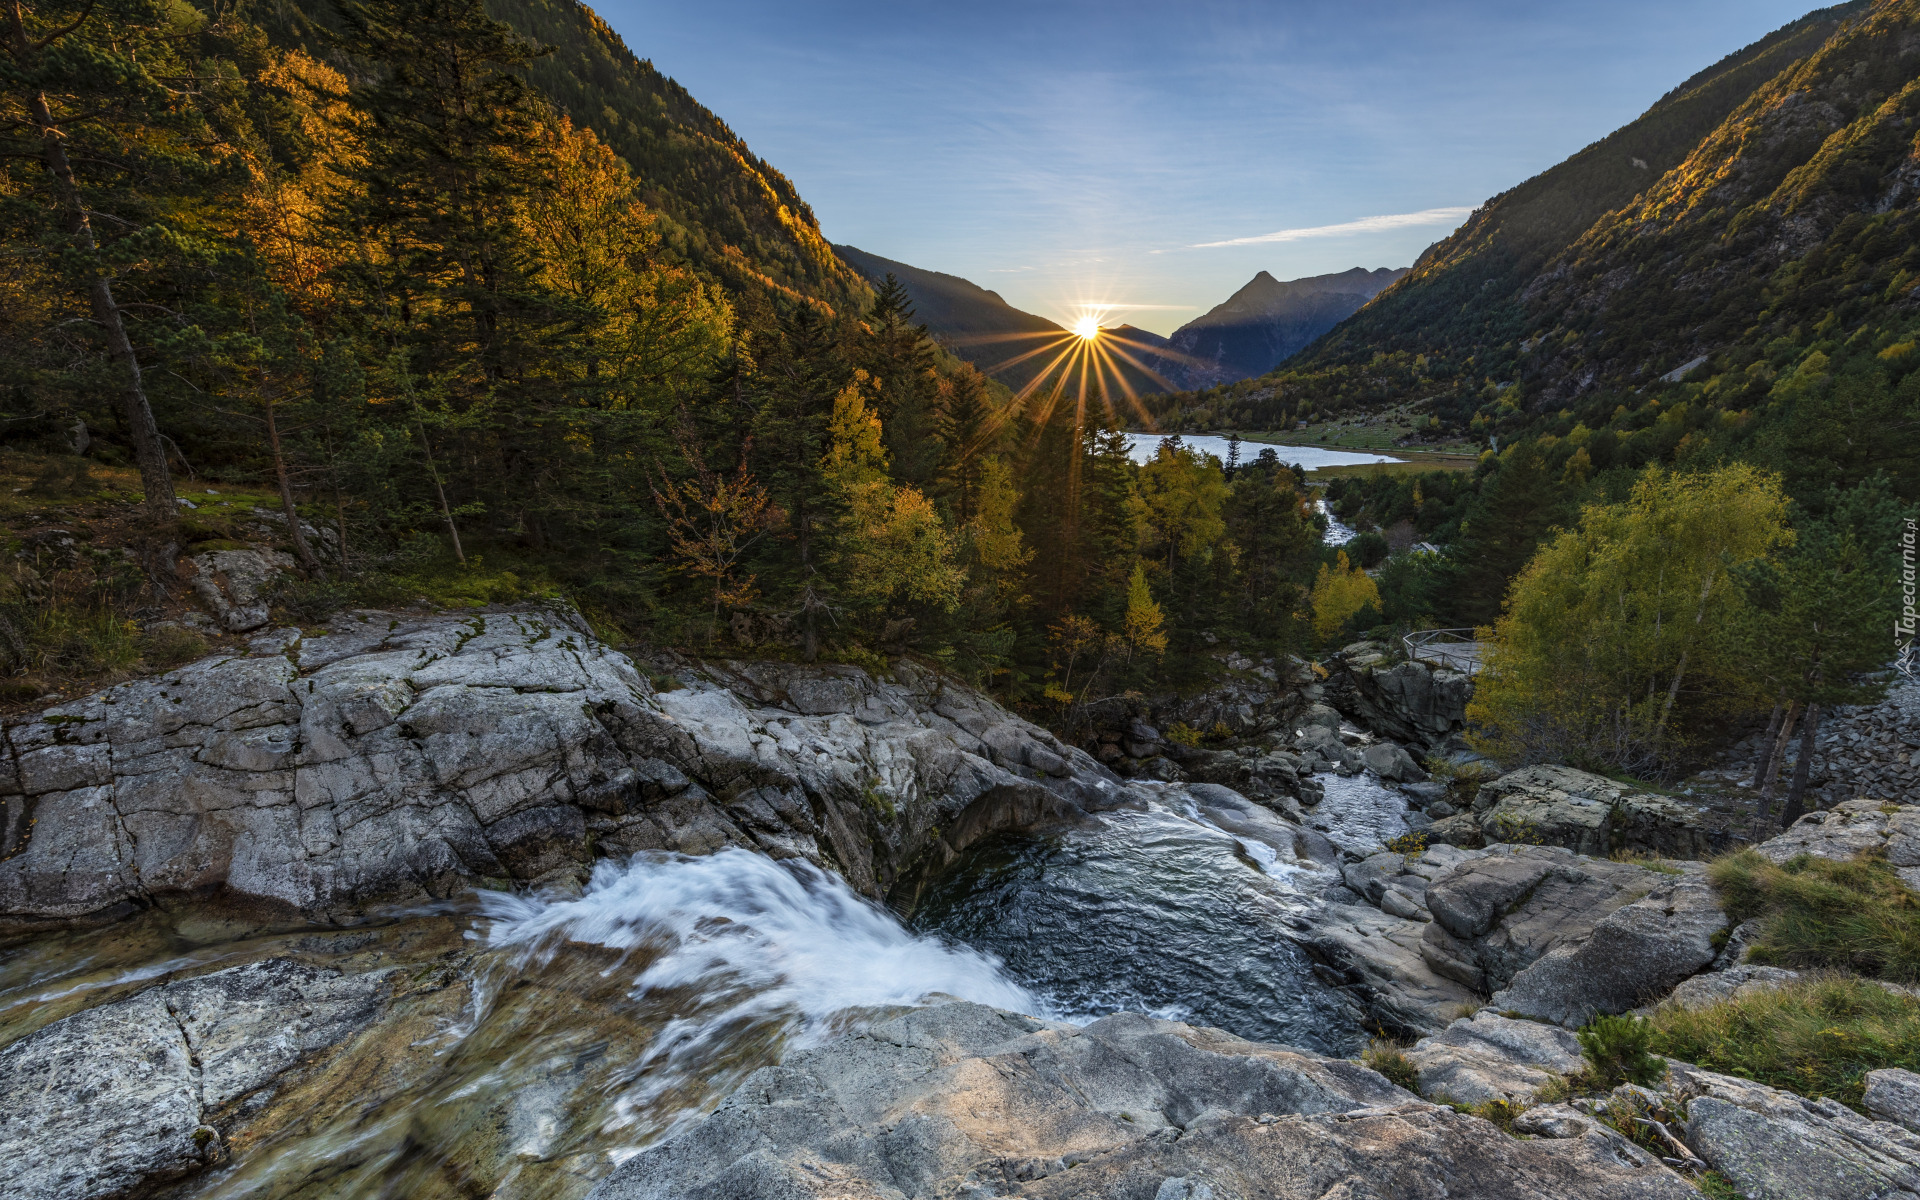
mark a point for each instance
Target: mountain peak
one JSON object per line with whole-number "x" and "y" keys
{"x": 1268, "y": 320}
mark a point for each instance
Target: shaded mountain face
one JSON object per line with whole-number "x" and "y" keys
{"x": 976, "y": 324}
{"x": 1267, "y": 322}
{"x": 979, "y": 326}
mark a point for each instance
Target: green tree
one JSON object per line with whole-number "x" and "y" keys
{"x": 1611, "y": 621}
{"x": 801, "y": 373}
{"x": 94, "y": 95}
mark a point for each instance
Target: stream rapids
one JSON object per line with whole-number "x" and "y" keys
{"x": 535, "y": 1040}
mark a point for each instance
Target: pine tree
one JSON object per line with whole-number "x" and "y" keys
{"x": 966, "y": 427}
{"x": 91, "y": 93}
{"x": 794, "y": 391}
{"x": 899, "y": 357}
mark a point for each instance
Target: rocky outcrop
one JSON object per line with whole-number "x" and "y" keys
{"x": 1491, "y": 1057}
{"x": 1410, "y": 702}
{"x": 1854, "y": 827}
{"x": 1635, "y": 954}
{"x": 1586, "y": 813}
{"x": 1774, "y": 1145}
{"x": 1768, "y": 1143}
{"x": 1552, "y": 934}
{"x": 393, "y": 757}
{"x": 961, "y": 1100}
{"x": 132, "y": 1094}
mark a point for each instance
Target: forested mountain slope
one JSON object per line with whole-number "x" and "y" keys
{"x": 1647, "y": 249}
{"x": 718, "y": 207}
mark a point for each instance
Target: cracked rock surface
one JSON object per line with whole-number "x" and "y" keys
{"x": 393, "y": 757}
{"x": 961, "y": 1100}
{"x": 123, "y": 1097}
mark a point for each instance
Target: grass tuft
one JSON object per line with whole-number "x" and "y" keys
{"x": 1819, "y": 913}
{"x": 1818, "y": 1037}
{"x": 1390, "y": 1060}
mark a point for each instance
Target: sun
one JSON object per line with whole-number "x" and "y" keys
{"x": 1086, "y": 328}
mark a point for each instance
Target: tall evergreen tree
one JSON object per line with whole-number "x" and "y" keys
{"x": 801, "y": 373}
{"x": 899, "y": 357}
{"x": 96, "y": 96}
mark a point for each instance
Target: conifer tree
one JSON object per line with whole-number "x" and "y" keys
{"x": 898, "y": 355}
{"x": 800, "y": 376}
{"x": 90, "y": 94}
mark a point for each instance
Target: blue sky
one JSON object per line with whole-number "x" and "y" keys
{"x": 1136, "y": 153}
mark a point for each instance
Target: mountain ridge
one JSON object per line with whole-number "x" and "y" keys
{"x": 1268, "y": 320}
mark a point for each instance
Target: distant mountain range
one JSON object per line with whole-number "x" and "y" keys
{"x": 1254, "y": 330}
{"x": 1266, "y": 322}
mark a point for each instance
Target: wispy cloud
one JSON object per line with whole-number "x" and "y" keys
{"x": 1431, "y": 216}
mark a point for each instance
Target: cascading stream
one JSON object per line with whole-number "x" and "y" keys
{"x": 532, "y": 1040}
{"x": 750, "y": 955}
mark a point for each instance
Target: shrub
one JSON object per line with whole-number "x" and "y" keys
{"x": 1369, "y": 550}
{"x": 1818, "y": 1037}
{"x": 1391, "y": 1061}
{"x": 1616, "y": 1051}
{"x": 1183, "y": 734}
{"x": 168, "y": 646}
{"x": 1819, "y": 913}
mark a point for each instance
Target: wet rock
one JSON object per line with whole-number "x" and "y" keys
{"x": 959, "y": 1100}
{"x": 1894, "y": 1095}
{"x": 397, "y": 757}
{"x": 1634, "y": 955}
{"x": 134, "y": 1093}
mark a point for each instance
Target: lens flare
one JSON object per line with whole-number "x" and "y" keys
{"x": 1086, "y": 328}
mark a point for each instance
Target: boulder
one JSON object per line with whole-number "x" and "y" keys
{"x": 236, "y": 584}
{"x": 1635, "y": 954}
{"x": 960, "y": 1100}
{"x": 398, "y": 757}
{"x": 1894, "y": 1095}
{"x": 132, "y": 1094}
{"x": 1492, "y": 1057}
{"x": 1392, "y": 763}
{"x": 1586, "y": 813}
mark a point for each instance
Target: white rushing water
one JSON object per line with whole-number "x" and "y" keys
{"x": 748, "y": 952}
{"x": 1338, "y": 533}
{"x": 1141, "y": 447}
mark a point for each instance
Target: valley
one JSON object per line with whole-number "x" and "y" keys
{"x": 528, "y": 671}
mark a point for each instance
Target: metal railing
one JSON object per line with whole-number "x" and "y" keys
{"x": 1454, "y": 649}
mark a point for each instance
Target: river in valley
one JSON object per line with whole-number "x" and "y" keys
{"x": 1142, "y": 446}
{"x": 534, "y": 1040}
